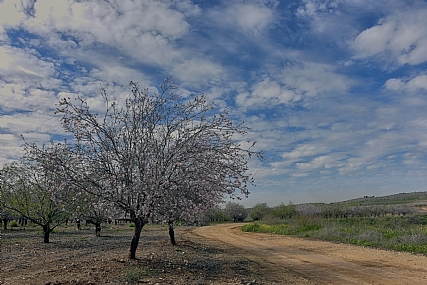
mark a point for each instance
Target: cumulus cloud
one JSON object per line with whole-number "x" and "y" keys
{"x": 294, "y": 83}
{"x": 12, "y": 13}
{"x": 23, "y": 64}
{"x": 266, "y": 93}
{"x": 400, "y": 37}
{"x": 414, "y": 84}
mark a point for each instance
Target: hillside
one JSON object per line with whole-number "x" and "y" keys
{"x": 400, "y": 198}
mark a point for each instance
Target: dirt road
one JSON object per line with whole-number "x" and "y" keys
{"x": 324, "y": 262}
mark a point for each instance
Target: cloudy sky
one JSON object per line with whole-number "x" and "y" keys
{"x": 334, "y": 91}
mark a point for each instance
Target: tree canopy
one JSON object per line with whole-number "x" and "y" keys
{"x": 157, "y": 156}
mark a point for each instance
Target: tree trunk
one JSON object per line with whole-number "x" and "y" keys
{"x": 171, "y": 233}
{"x": 98, "y": 229}
{"x": 5, "y": 223}
{"x": 139, "y": 223}
{"x": 46, "y": 232}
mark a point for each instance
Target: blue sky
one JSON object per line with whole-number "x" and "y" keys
{"x": 335, "y": 92}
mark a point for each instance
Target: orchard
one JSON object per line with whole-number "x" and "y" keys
{"x": 156, "y": 157}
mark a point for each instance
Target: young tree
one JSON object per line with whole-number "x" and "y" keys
{"x": 259, "y": 211}
{"x": 157, "y": 156}
{"x": 235, "y": 212}
{"x": 93, "y": 210}
{"x": 33, "y": 192}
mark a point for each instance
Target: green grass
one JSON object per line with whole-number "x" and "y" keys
{"x": 407, "y": 234}
{"x": 134, "y": 274}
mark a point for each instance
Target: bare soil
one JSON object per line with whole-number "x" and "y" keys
{"x": 220, "y": 254}
{"x": 79, "y": 257}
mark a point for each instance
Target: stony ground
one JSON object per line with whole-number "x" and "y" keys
{"x": 78, "y": 257}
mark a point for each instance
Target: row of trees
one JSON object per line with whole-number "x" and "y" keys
{"x": 158, "y": 157}
{"x": 282, "y": 211}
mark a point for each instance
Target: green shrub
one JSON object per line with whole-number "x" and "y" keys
{"x": 13, "y": 224}
{"x": 307, "y": 228}
{"x": 281, "y": 229}
{"x": 135, "y": 273}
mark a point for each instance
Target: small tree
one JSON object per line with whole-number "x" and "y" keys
{"x": 235, "y": 212}
{"x": 33, "y": 193}
{"x": 259, "y": 211}
{"x": 283, "y": 211}
{"x": 157, "y": 156}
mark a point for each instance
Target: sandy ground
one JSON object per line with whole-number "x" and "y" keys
{"x": 324, "y": 262}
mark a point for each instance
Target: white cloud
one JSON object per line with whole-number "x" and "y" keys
{"x": 415, "y": 84}
{"x": 198, "y": 70}
{"x": 294, "y": 83}
{"x": 317, "y": 162}
{"x": 108, "y": 20}
{"x": 251, "y": 19}
{"x": 312, "y": 79}
{"x": 68, "y": 25}
{"x": 305, "y": 150}
{"x": 400, "y": 38}
{"x": 12, "y": 14}
{"x": 266, "y": 93}
{"x": 19, "y": 63}
{"x": 323, "y": 15}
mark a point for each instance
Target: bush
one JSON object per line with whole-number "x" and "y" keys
{"x": 135, "y": 273}
{"x": 259, "y": 211}
{"x": 13, "y": 224}
{"x": 280, "y": 229}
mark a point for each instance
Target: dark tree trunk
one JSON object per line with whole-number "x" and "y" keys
{"x": 46, "y": 233}
{"x": 171, "y": 233}
{"x": 97, "y": 226}
{"x": 97, "y": 229}
{"x": 139, "y": 224}
{"x": 5, "y": 223}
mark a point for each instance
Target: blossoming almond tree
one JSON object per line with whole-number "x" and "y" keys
{"x": 157, "y": 156}
{"x": 35, "y": 194}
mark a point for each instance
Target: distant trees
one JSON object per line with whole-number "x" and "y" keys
{"x": 337, "y": 210}
{"x": 283, "y": 211}
{"x": 308, "y": 210}
{"x": 259, "y": 211}
{"x": 214, "y": 215}
{"x": 157, "y": 156}
{"x": 235, "y": 212}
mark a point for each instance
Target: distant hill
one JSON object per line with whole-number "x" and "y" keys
{"x": 401, "y": 198}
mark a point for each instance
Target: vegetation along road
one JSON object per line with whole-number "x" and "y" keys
{"x": 324, "y": 262}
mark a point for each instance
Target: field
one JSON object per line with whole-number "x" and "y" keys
{"x": 396, "y": 222}
{"x": 79, "y": 257}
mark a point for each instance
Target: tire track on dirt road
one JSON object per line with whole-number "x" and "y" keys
{"x": 325, "y": 262}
